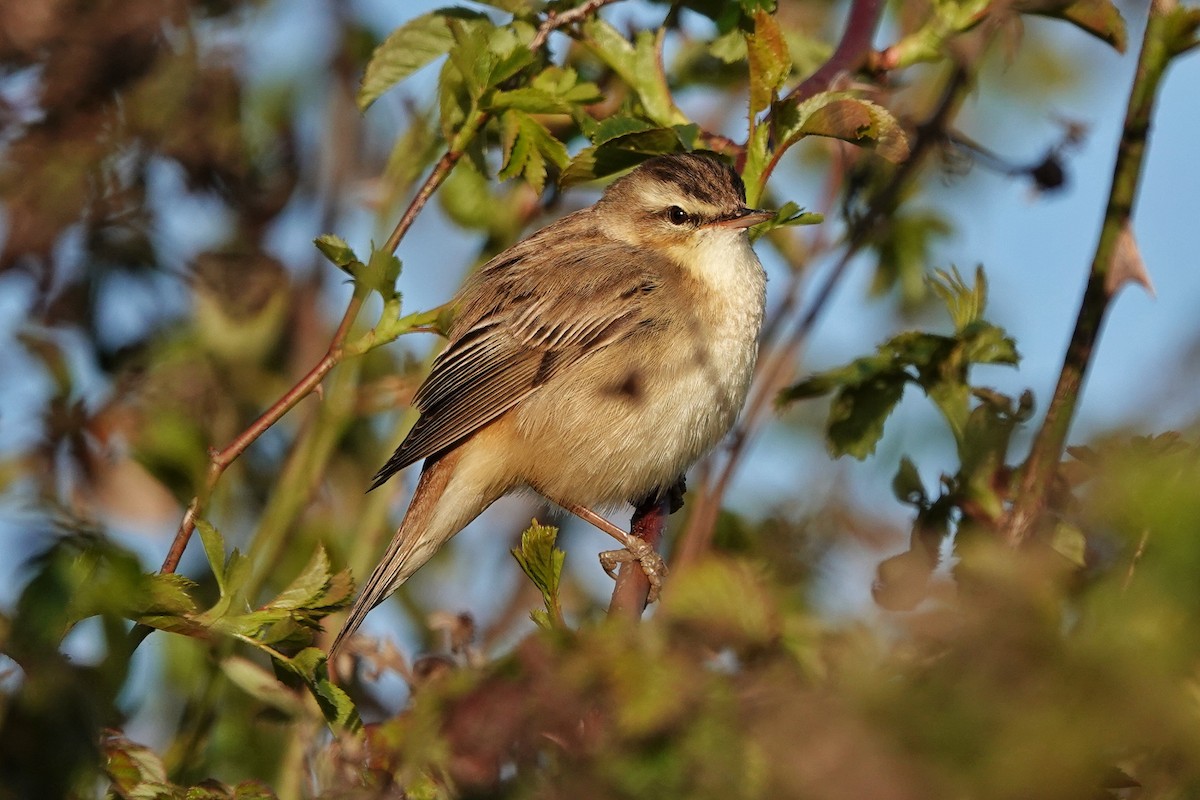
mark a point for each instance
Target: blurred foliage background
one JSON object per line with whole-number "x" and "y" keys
{"x": 165, "y": 167}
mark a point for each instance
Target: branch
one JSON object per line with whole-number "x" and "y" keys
{"x": 554, "y": 20}
{"x": 219, "y": 460}
{"x": 633, "y": 589}
{"x": 1046, "y": 452}
{"x": 851, "y": 53}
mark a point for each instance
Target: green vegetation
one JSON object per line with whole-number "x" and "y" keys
{"x": 1044, "y": 640}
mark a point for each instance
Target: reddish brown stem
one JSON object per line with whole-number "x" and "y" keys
{"x": 633, "y": 588}
{"x": 219, "y": 460}
{"x": 851, "y": 53}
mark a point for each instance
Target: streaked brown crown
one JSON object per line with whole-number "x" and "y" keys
{"x": 702, "y": 177}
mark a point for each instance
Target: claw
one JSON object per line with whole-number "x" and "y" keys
{"x": 647, "y": 557}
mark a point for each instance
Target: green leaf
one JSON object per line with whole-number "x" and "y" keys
{"x": 840, "y": 115}
{"x": 907, "y": 485}
{"x": 135, "y": 770}
{"x": 617, "y": 127}
{"x": 513, "y": 6}
{"x": 214, "y": 550}
{"x": 379, "y": 274}
{"x": 410, "y": 47}
{"x": 758, "y": 156}
{"x": 639, "y": 65}
{"x": 542, "y": 562}
{"x": 336, "y": 706}
{"x": 966, "y": 304}
{"x": 620, "y": 151}
{"x": 1100, "y": 18}
{"x": 770, "y": 62}
{"x": 337, "y": 251}
{"x": 308, "y": 586}
{"x": 262, "y": 685}
{"x": 486, "y": 56}
{"x": 553, "y": 91}
{"x": 729, "y": 47}
{"x": 858, "y": 413}
{"x": 470, "y": 201}
{"x": 985, "y": 343}
{"x": 788, "y": 214}
{"x": 527, "y": 146}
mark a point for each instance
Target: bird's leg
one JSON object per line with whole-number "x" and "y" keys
{"x": 635, "y": 550}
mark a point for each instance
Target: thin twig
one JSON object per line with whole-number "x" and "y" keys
{"x": 219, "y": 460}
{"x": 1047, "y": 449}
{"x": 555, "y": 20}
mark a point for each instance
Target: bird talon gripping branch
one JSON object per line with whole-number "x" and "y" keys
{"x": 647, "y": 557}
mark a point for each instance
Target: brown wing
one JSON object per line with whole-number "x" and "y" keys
{"x": 521, "y": 320}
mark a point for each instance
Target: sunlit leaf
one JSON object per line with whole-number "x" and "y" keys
{"x": 621, "y": 151}
{"x": 410, "y": 47}
{"x": 769, "y": 60}
{"x": 788, "y": 214}
{"x": 335, "y": 249}
{"x": 638, "y": 64}
{"x": 542, "y": 562}
{"x": 1100, "y": 18}
{"x": 528, "y": 145}
{"x": 840, "y": 115}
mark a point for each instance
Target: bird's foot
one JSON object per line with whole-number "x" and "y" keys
{"x": 647, "y": 557}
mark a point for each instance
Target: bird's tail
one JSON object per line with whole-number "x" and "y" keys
{"x": 436, "y": 513}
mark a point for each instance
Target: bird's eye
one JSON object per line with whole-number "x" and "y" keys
{"x": 677, "y": 216}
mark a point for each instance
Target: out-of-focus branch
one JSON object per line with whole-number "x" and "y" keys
{"x": 1115, "y": 244}
{"x": 852, "y": 52}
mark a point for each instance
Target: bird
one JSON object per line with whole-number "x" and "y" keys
{"x": 593, "y": 363}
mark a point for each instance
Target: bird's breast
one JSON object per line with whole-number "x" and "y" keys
{"x": 640, "y": 412}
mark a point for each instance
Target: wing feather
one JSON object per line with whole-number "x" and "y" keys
{"x": 522, "y": 319}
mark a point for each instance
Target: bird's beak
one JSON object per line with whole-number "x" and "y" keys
{"x": 745, "y": 218}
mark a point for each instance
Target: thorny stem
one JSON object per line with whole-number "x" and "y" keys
{"x": 1046, "y": 452}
